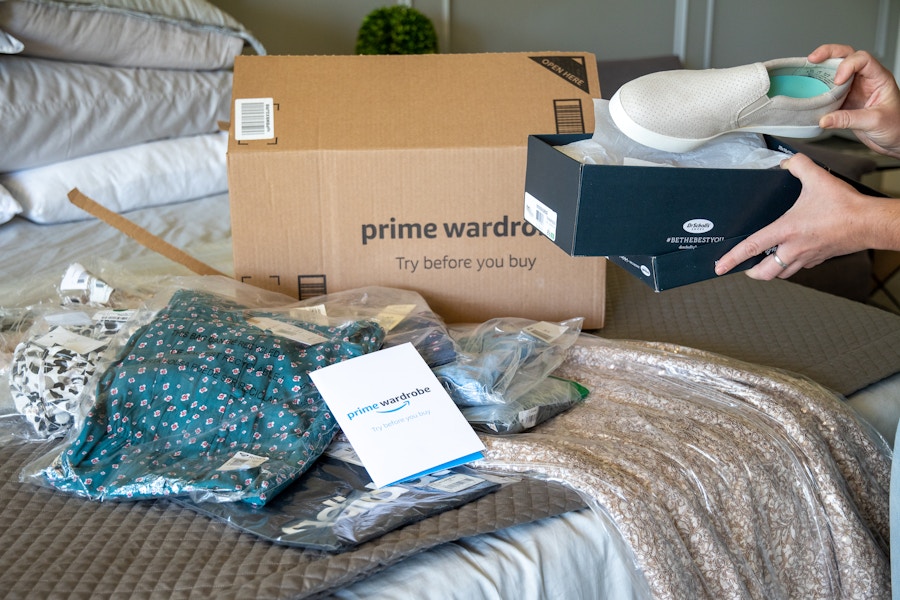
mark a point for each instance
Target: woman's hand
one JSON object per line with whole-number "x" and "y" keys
{"x": 872, "y": 107}
{"x": 830, "y": 218}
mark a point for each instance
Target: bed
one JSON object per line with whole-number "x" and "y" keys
{"x": 733, "y": 441}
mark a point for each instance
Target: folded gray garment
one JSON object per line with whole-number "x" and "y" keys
{"x": 841, "y": 344}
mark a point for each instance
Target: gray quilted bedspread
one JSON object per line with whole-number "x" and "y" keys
{"x": 841, "y": 344}
{"x": 54, "y": 546}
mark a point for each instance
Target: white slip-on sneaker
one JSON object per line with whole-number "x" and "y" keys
{"x": 677, "y": 111}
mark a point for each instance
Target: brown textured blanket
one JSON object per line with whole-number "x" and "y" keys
{"x": 726, "y": 479}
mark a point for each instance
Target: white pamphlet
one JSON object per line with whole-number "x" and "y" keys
{"x": 397, "y": 416}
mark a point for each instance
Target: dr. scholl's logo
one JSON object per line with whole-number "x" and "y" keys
{"x": 698, "y": 226}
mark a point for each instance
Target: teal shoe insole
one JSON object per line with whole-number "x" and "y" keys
{"x": 796, "y": 86}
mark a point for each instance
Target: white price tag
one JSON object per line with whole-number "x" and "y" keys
{"x": 315, "y": 314}
{"x": 528, "y": 417}
{"x": 391, "y": 315}
{"x": 547, "y": 332}
{"x": 61, "y": 336}
{"x": 242, "y": 460}
{"x": 455, "y": 482}
{"x": 540, "y": 215}
{"x": 286, "y": 330}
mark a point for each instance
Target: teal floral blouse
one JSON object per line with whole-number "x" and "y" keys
{"x": 203, "y": 402}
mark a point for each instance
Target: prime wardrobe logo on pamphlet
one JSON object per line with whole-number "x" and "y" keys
{"x": 396, "y": 414}
{"x": 391, "y": 405}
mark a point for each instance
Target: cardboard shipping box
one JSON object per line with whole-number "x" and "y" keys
{"x": 407, "y": 172}
{"x": 667, "y": 226}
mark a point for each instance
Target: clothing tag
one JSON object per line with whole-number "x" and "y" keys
{"x": 75, "y": 278}
{"x": 541, "y": 216}
{"x": 528, "y": 417}
{"x": 397, "y": 415}
{"x": 69, "y": 319}
{"x": 454, "y": 482}
{"x": 391, "y": 315}
{"x": 315, "y": 314}
{"x": 80, "y": 287}
{"x": 547, "y": 332}
{"x": 242, "y": 460}
{"x": 113, "y": 320}
{"x": 60, "y": 336}
{"x": 286, "y": 330}
{"x": 343, "y": 451}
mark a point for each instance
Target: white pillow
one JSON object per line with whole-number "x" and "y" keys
{"x": 9, "y": 44}
{"x": 175, "y": 34}
{"x": 150, "y": 174}
{"x": 8, "y": 205}
{"x": 52, "y": 110}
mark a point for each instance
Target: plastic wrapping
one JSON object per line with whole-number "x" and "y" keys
{"x": 404, "y": 315}
{"x": 53, "y": 363}
{"x": 496, "y": 371}
{"x": 95, "y": 283}
{"x": 49, "y": 349}
{"x": 716, "y": 478}
{"x": 609, "y": 146}
{"x": 550, "y": 397}
{"x": 720, "y": 479}
{"x": 334, "y": 506}
{"x": 14, "y": 326}
{"x": 502, "y": 359}
{"x": 210, "y": 399}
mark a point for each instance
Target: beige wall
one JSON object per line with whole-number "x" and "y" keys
{"x": 705, "y": 33}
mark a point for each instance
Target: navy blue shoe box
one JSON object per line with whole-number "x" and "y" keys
{"x": 666, "y": 225}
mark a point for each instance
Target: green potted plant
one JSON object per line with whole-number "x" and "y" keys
{"x": 396, "y": 29}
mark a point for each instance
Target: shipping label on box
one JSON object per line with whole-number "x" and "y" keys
{"x": 408, "y": 172}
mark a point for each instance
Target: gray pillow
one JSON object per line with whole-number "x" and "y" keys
{"x": 9, "y": 44}
{"x": 139, "y": 176}
{"x": 9, "y": 206}
{"x": 172, "y": 34}
{"x": 52, "y": 110}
